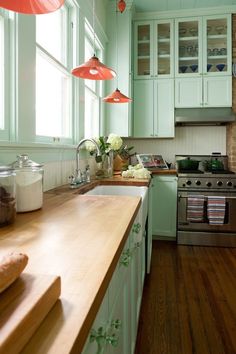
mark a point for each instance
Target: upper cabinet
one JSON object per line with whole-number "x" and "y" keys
{"x": 203, "y": 62}
{"x": 153, "y": 49}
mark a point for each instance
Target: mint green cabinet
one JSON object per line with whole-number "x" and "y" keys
{"x": 114, "y": 330}
{"x": 203, "y": 61}
{"x": 153, "y": 49}
{"x": 164, "y": 206}
{"x": 153, "y": 108}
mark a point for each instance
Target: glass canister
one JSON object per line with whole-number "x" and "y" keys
{"x": 7, "y": 196}
{"x": 29, "y": 184}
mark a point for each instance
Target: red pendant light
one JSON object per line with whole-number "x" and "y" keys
{"x": 117, "y": 97}
{"x": 32, "y": 6}
{"x": 121, "y": 6}
{"x": 93, "y": 69}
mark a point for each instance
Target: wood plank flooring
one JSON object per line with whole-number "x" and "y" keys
{"x": 189, "y": 301}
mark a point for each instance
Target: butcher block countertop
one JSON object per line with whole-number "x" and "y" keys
{"x": 69, "y": 238}
{"x": 164, "y": 172}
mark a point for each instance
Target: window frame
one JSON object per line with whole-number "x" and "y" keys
{"x": 64, "y": 67}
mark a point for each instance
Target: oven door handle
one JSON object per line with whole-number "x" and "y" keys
{"x": 181, "y": 196}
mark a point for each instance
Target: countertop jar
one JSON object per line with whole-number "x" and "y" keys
{"x": 7, "y": 195}
{"x": 29, "y": 184}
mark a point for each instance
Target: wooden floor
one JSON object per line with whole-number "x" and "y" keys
{"x": 189, "y": 301}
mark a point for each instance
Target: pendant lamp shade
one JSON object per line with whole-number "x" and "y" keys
{"x": 93, "y": 69}
{"x": 32, "y": 6}
{"x": 117, "y": 97}
{"x": 121, "y": 6}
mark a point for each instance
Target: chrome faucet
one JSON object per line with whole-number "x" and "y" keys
{"x": 77, "y": 180}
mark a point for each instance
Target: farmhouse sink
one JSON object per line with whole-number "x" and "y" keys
{"x": 125, "y": 190}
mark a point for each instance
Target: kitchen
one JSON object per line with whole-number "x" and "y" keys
{"x": 57, "y": 152}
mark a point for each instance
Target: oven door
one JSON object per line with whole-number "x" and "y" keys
{"x": 230, "y": 212}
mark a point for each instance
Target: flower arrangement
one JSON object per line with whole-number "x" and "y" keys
{"x": 112, "y": 143}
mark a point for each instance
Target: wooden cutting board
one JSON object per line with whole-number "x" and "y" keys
{"x": 23, "y": 307}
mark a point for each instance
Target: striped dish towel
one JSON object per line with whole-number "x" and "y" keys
{"x": 216, "y": 210}
{"x": 195, "y": 208}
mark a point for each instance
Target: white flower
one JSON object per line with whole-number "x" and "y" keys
{"x": 137, "y": 171}
{"x": 115, "y": 141}
{"x": 90, "y": 146}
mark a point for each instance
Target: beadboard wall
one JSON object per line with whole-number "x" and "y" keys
{"x": 196, "y": 140}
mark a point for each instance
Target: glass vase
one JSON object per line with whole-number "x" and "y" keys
{"x": 105, "y": 167}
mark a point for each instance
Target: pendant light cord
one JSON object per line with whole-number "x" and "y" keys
{"x": 117, "y": 46}
{"x": 94, "y": 27}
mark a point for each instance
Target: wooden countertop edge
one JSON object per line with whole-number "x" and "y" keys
{"x": 164, "y": 172}
{"x": 84, "y": 332}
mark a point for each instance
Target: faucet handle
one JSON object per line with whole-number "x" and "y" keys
{"x": 71, "y": 179}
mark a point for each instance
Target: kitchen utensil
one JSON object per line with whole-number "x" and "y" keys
{"x": 213, "y": 165}
{"x": 188, "y": 164}
{"x": 209, "y": 66}
{"x": 219, "y": 29}
{"x": 182, "y": 31}
{"x": 193, "y": 31}
{"x": 220, "y": 67}
{"x": 194, "y": 67}
{"x": 29, "y": 184}
{"x": 183, "y": 68}
{"x": 7, "y": 195}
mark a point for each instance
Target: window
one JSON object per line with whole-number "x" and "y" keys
{"x": 53, "y": 78}
{"x": 92, "y": 91}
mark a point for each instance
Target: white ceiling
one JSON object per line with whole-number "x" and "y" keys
{"x": 170, "y": 5}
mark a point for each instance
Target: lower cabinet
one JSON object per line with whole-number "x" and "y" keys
{"x": 164, "y": 205}
{"x": 115, "y": 328}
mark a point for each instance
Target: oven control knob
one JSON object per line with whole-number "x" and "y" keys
{"x": 198, "y": 183}
{"x": 189, "y": 183}
{"x": 229, "y": 184}
{"x": 219, "y": 183}
{"x": 208, "y": 184}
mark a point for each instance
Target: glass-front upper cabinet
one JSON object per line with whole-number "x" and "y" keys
{"x": 188, "y": 39}
{"x": 165, "y": 49}
{"x": 217, "y": 44}
{"x": 203, "y": 46}
{"x": 153, "y": 49}
{"x": 143, "y": 50}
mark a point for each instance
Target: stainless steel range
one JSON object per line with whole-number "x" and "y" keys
{"x": 206, "y": 201}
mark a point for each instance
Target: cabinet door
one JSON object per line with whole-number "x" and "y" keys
{"x": 143, "y": 108}
{"x": 217, "y": 45}
{"x": 188, "y": 39}
{"x": 164, "y": 121}
{"x": 164, "y": 206}
{"x": 188, "y": 92}
{"x": 101, "y": 323}
{"x": 164, "y": 51}
{"x": 143, "y": 49}
{"x": 218, "y": 91}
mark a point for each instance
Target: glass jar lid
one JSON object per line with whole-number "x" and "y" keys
{"x": 23, "y": 161}
{"x": 6, "y": 168}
